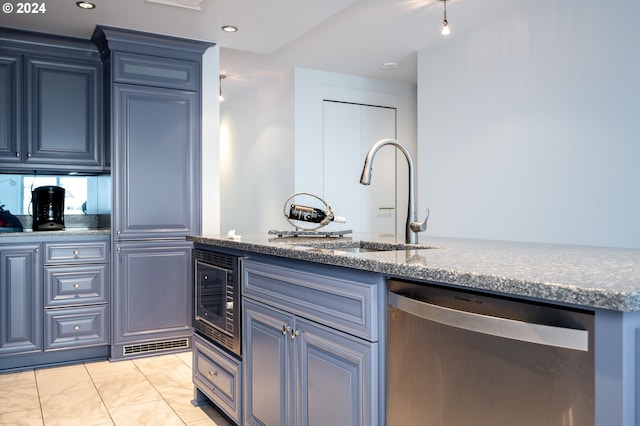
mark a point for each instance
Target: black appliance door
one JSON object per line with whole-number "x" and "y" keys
{"x": 211, "y": 295}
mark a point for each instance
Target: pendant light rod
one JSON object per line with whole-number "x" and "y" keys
{"x": 445, "y": 24}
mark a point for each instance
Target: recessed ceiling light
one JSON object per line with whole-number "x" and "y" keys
{"x": 85, "y": 5}
{"x": 229, "y": 29}
{"x": 389, "y": 65}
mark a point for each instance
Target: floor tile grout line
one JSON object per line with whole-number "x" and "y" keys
{"x": 158, "y": 390}
{"x": 84, "y": 364}
{"x": 35, "y": 379}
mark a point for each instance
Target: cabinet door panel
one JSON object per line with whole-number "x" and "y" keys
{"x": 267, "y": 361}
{"x": 20, "y": 298}
{"x": 336, "y": 377}
{"x": 156, "y": 135}
{"x": 63, "y": 119}
{"x": 152, "y": 291}
{"x": 76, "y": 327}
{"x": 218, "y": 375}
{"x": 10, "y": 106}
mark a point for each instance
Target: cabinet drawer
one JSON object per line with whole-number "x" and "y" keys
{"x": 155, "y": 71}
{"x": 75, "y": 285}
{"x": 76, "y": 327}
{"x": 218, "y": 376}
{"x": 344, "y": 299}
{"x": 58, "y": 253}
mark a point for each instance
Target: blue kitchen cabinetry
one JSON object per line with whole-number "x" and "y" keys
{"x": 311, "y": 344}
{"x": 217, "y": 376}
{"x": 50, "y": 104}
{"x": 20, "y": 299}
{"x": 54, "y": 296}
{"x": 152, "y": 302}
{"x": 154, "y": 105}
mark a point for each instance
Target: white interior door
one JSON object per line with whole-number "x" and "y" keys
{"x": 349, "y": 131}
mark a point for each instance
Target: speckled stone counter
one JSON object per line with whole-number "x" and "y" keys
{"x": 592, "y": 277}
{"x": 68, "y": 232}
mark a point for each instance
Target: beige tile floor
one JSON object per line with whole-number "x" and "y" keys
{"x": 147, "y": 391}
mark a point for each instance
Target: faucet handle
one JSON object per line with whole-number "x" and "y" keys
{"x": 419, "y": 226}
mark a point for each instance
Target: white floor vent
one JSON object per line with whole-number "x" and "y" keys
{"x": 165, "y": 345}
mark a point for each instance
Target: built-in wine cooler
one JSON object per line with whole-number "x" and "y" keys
{"x": 217, "y": 313}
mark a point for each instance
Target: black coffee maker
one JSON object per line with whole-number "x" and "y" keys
{"x": 48, "y": 208}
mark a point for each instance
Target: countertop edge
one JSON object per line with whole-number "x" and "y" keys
{"x": 414, "y": 265}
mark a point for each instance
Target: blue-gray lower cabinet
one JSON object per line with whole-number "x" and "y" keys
{"x": 217, "y": 376}
{"x": 151, "y": 298}
{"x": 303, "y": 363}
{"x": 20, "y": 299}
{"x": 54, "y": 300}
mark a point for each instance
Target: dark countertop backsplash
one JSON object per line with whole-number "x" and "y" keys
{"x": 85, "y": 221}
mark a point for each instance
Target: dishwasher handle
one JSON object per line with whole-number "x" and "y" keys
{"x": 560, "y": 337}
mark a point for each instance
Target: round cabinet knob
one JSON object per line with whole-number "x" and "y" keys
{"x": 76, "y": 327}
{"x": 76, "y": 286}
{"x": 76, "y": 252}
{"x": 213, "y": 373}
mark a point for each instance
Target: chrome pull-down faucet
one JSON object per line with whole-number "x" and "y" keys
{"x": 413, "y": 226}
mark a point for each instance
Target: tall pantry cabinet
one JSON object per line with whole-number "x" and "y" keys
{"x": 153, "y": 85}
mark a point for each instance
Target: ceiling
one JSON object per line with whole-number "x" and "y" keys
{"x": 345, "y": 36}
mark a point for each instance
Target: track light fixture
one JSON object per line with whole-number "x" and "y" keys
{"x": 445, "y": 25}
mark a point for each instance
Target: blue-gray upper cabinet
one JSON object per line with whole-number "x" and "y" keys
{"x": 155, "y": 124}
{"x": 63, "y": 121}
{"x": 51, "y": 100}
{"x": 156, "y": 150}
{"x": 147, "y": 70}
{"x": 10, "y": 105}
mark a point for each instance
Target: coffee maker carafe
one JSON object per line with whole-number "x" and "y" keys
{"x": 48, "y": 208}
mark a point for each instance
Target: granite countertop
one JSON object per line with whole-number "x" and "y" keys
{"x": 593, "y": 277}
{"x": 68, "y": 232}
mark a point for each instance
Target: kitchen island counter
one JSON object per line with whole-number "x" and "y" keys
{"x": 593, "y": 277}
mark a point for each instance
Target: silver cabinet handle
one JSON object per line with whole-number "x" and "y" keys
{"x": 76, "y": 327}
{"x": 560, "y": 337}
{"x": 285, "y": 328}
{"x": 17, "y": 154}
{"x": 294, "y": 334}
{"x": 76, "y": 286}
{"x": 213, "y": 373}
{"x": 28, "y": 155}
{"x": 76, "y": 252}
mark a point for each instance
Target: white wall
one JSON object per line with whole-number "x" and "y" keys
{"x": 210, "y": 142}
{"x": 271, "y": 141}
{"x": 528, "y": 126}
{"x": 313, "y": 87}
{"x": 256, "y": 157}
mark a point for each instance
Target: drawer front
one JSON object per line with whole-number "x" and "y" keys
{"x": 72, "y": 252}
{"x": 218, "y": 376}
{"x": 75, "y": 285}
{"x": 343, "y": 299}
{"x": 76, "y": 327}
{"x": 155, "y": 71}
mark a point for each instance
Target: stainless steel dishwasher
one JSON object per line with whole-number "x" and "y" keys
{"x": 458, "y": 358}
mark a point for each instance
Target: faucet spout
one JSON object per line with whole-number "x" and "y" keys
{"x": 413, "y": 226}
